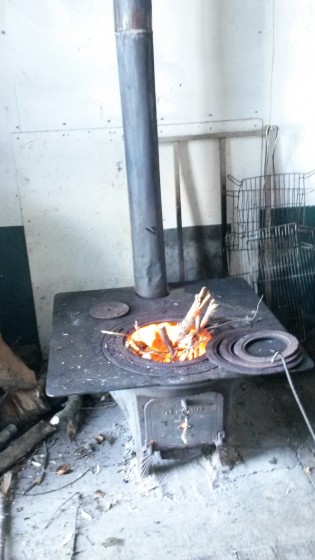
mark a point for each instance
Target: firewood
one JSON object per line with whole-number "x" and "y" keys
{"x": 70, "y": 413}
{"x": 172, "y": 342}
{"x": 208, "y": 314}
{"x": 6, "y": 434}
{"x": 200, "y": 301}
{"x": 20, "y": 407}
{"x": 139, "y": 345}
{"x": 4, "y": 511}
{"x": 24, "y": 444}
{"x": 165, "y": 339}
{"x": 14, "y": 374}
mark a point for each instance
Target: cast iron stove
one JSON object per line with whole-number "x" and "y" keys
{"x": 174, "y": 409}
{"x": 171, "y": 408}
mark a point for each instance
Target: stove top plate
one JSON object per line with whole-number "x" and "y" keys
{"x": 77, "y": 364}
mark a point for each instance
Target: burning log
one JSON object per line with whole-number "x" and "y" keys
{"x": 166, "y": 339}
{"x": 171, "y": 341}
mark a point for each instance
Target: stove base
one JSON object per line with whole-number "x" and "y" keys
{"x": 177, "y": 422}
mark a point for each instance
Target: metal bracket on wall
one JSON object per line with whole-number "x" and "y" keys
{"x": 221, "y": 137}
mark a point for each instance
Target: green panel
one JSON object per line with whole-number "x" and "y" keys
{"x": 310, "y": 216}
{"x": 17, "y": 314}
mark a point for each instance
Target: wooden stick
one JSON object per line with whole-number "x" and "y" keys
{"x": 208, "y": 314}
{"x": 24, "y": 444}
{"x": 4, "y": 512}
{"x": 59, "y": 509}
{"x": 69, "y": 411}
{"x": 114, "y": 333}
{"x": 6, "y": 434}
{"x": 166, "y": 339}
{"x": 137, "y": 345}
{"x": 202, "y": 294}
{"x": 39, "y": 479}
{"x": 136, "y": 326}
{"x": 59, "y": 488}
{"x": 76, "y": 533}
{"x": 200, "y": 301}
{"x": 3, "y": 507}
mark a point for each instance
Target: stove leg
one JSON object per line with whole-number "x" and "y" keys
{"x": 223, "y": 458}
{"x": 223, "y": 453}
{"x": 219, "y": 455}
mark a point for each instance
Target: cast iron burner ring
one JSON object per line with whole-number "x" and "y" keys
{"x": 115, "y": 350}
{"x": 222, "y": 351}
{"x": 291, "y": 346}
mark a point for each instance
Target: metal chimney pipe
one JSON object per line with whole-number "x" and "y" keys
{"x": 134, "y": 43}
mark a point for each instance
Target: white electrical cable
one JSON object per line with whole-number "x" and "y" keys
{"x": 279, "y": 355}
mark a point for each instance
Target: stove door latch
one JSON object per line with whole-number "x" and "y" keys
{"x": 184, "y": 426}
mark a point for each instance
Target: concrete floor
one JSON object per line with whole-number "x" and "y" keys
{"x": 263, "y": 509}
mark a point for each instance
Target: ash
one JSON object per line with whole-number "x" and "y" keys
{"x": 263, "y": 507}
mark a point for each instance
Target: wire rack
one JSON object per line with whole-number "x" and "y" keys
{"x": 279, "y": 263}
{"x": 238, "y": 255}
{"x": 269, "y": 244}
{"x": 266, "y": 201}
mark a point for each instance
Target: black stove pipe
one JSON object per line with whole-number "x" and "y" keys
{"x": 134, "y": 43}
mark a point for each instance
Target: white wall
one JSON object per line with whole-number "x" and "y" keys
{"x": 62, "y": 155}
{"x": 10, "y": 213}
{"x": 293, "y": 85}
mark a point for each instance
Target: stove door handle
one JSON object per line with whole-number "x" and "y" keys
{"x": 185, "y": 409}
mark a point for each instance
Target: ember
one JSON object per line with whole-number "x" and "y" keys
{"x": 171, "y": 341}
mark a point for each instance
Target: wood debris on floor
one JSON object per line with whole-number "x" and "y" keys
{"x": 77, "y": 493}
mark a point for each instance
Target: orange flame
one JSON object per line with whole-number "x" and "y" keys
{"x": 148, "y": 342}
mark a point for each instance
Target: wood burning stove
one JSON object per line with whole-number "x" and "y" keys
{"x": 172, "y": 408}
{"x": 178, "y": 408}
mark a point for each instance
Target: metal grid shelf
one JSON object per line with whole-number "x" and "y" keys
{"x": 267, "y": 200}
{"x": 279, "y": 263}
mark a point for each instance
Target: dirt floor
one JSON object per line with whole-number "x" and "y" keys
{"x": 262, "y": 509}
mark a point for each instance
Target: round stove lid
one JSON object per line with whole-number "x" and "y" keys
{"x": 109, "y": 310}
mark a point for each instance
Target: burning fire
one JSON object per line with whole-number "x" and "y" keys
{"x": 170, "y": 341}
{"x": 165, "y": 342}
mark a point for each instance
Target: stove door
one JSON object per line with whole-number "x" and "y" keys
{"x": 180, "y": 422}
